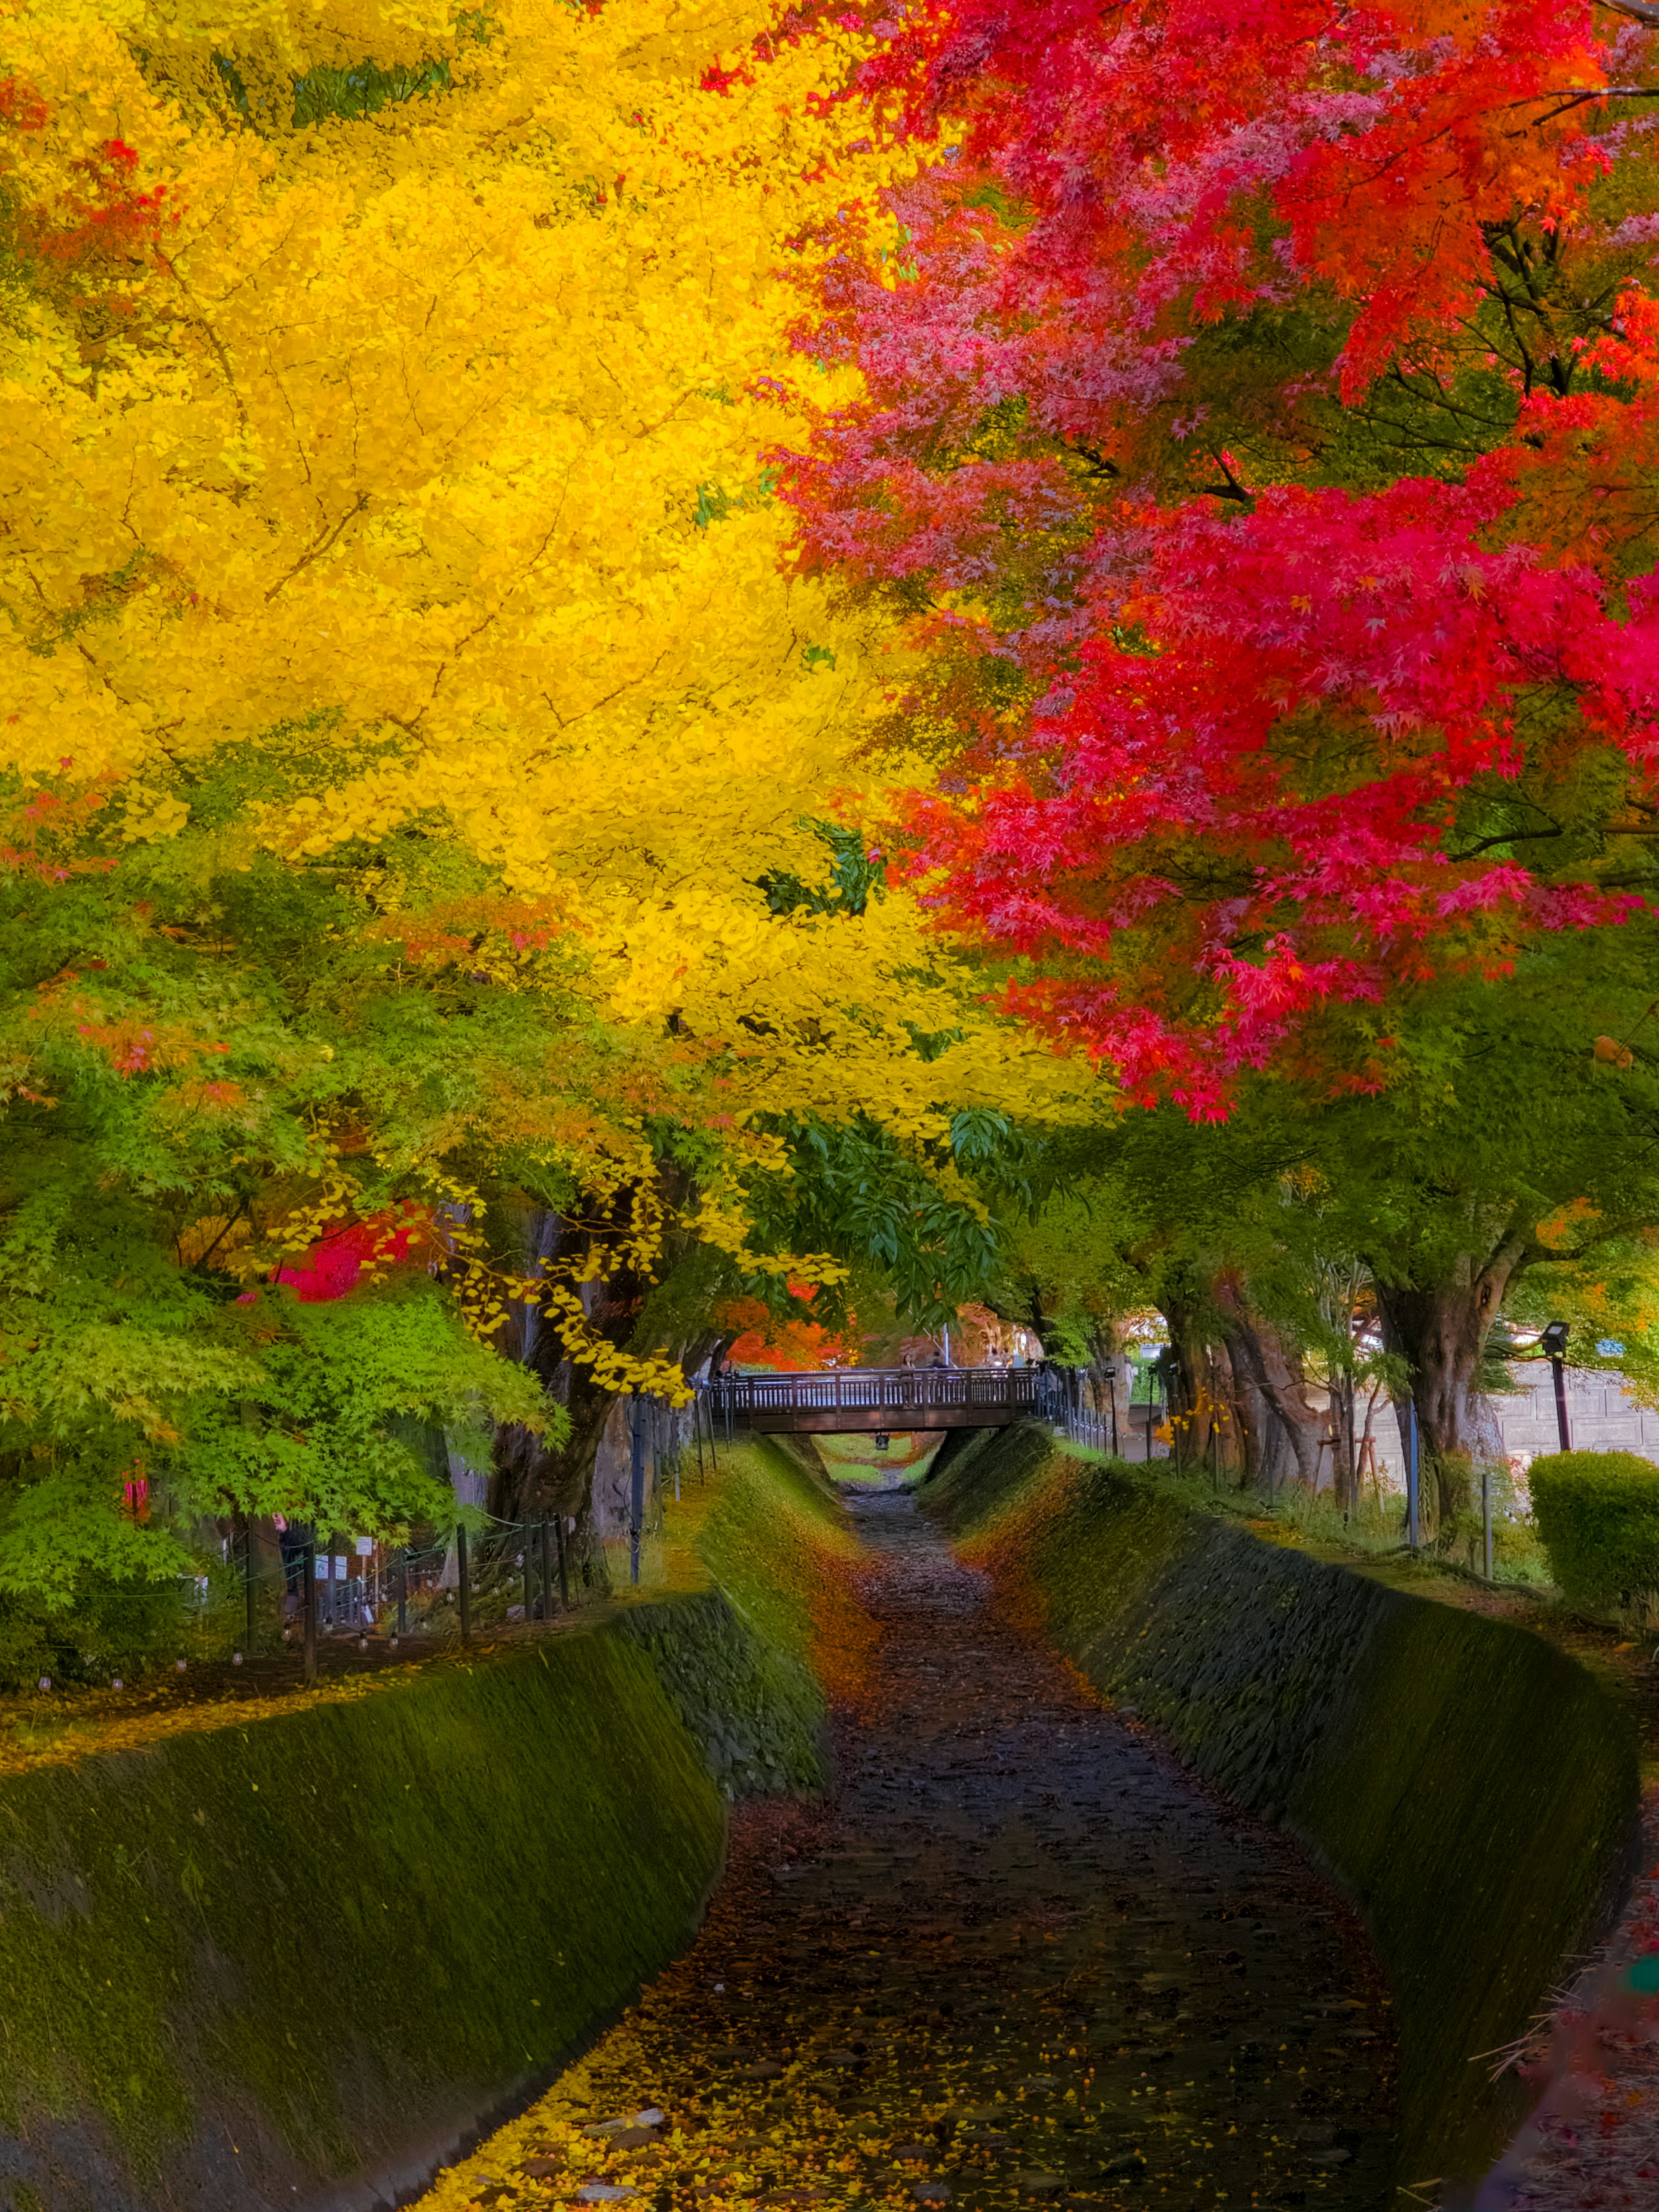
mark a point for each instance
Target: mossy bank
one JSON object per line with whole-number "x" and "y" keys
{"x": 296, "y": 1962}
{"x": 1469, "y": 1786}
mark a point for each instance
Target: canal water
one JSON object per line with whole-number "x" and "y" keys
{"x": 1019, "y": 1956}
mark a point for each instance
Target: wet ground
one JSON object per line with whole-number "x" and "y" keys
{"x": 1020, "y": 1955}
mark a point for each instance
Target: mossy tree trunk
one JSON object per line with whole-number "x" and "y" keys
{"x": 1266, "y": 1359}
{"x": 531, "y": 1477}
{"x": 1187, "y": 1315}
{"x": 1345, "y": 1441}
{"x": 1440, "y": 1326}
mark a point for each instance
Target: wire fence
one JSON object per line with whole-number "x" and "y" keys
{"x": 484, "y": 1575}
{"x": 500, "y": 1575}
{"x": 1071, "y": 1400}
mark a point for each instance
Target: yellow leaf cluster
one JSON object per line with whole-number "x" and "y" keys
{"x": 442, "y": 428}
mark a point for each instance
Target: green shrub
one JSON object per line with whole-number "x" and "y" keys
{"x": 1598, "y": 1513}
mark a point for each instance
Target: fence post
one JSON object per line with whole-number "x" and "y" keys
{"x": 1411, "y": 1474}
{"x": 529, "y": 1580}
{"x": 308, "y": 1633}
{"x": 466, "y": 1583}
{"x": 1485, "y": 1511}
{"x": 636, "y": 1487}
{"x": 248, "y": 1570}
{"x": 547, "y": 1574}
{"x": 564, "y": 1580}
{"x": 696, "y": 1431}
{"x": 403, "y": 1590}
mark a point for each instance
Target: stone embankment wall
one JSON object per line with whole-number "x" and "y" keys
{"x": 1471, "y": 1788}
{"x": 300, "y": 1961}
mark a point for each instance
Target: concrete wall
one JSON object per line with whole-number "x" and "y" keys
{"x": 1600, "y": 1415}
{"x": 1471, "y": 1788}
{"x": 298, "y": 1962}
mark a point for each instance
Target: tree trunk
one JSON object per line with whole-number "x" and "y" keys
{"x": 533, "y": 1478}
{"x": 1234, "y": 1446}
{"x": 1345, "y": 1444}
{"x": 1440, "y": 1328}
{"x": 1189, "y": 1426}
{"x": 1104, "y": 1354}
{"x": 1272, "y": 1369}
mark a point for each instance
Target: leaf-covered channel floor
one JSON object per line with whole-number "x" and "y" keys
{"x": 1020, "y": 1955}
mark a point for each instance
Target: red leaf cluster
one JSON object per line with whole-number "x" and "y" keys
{"x": 398, "y": 1235}
{"x": 1215, "y": 734}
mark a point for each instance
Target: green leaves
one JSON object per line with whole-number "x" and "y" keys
{"x": 1598, "y": 1513}
{"x": 212, "y": 1054}
{"x": 337, "y": 1380}
{"x": 855, "y": 875}
{"x": 856, "y": 1195}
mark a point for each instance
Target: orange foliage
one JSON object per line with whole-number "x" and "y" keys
{"x": 845, "y": 1640}
{"x": 790, "y": 1346}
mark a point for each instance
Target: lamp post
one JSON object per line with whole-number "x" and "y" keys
{"x": 1555, "y": 1350}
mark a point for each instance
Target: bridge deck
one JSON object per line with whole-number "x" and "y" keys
{"x": 858, "y": 1400}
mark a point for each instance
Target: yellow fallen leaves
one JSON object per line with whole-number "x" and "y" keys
{"x": 62, "y": 1729}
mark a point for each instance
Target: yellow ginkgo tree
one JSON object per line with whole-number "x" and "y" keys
{"x": 427, "y": 779}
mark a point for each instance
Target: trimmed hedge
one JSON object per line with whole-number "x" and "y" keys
{"x": 1598, "y": 1513}
{"x": 1470, "y": 1787}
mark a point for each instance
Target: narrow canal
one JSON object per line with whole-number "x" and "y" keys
{"x": 1020, "y": 1955}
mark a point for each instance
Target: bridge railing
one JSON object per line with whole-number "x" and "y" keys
{"x": 898, "y": 1390}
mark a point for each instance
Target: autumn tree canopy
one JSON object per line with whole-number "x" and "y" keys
{"x": 661, "y": 663}
{"x": 430, "y": 794}
{"x": 1256, "y": 440}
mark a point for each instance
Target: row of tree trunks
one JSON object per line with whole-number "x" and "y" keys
{"x": 1283, "y": 1425}
{"x": 1228, "y": 1355}
{"x": 1241, "y": 1398}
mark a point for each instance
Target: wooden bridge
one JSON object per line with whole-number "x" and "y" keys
{"x": 855, "y": 1400}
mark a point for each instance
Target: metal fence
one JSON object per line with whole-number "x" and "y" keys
{"x": 490, "y": 1575}
{"x": 1072, "y": 1403}
{"x": 500, "y": 1575}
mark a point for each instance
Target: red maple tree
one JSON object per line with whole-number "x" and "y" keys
{"x": 1259, "y": 406}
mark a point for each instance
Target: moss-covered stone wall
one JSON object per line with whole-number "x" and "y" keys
{"x": 296, "y": 1962}
{"x": 1472, "y": 1789}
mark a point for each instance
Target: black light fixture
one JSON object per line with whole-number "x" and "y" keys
{"x": 1555, "y": 1340}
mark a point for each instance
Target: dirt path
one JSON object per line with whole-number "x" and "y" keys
{"x": 1020, "y": 1955}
